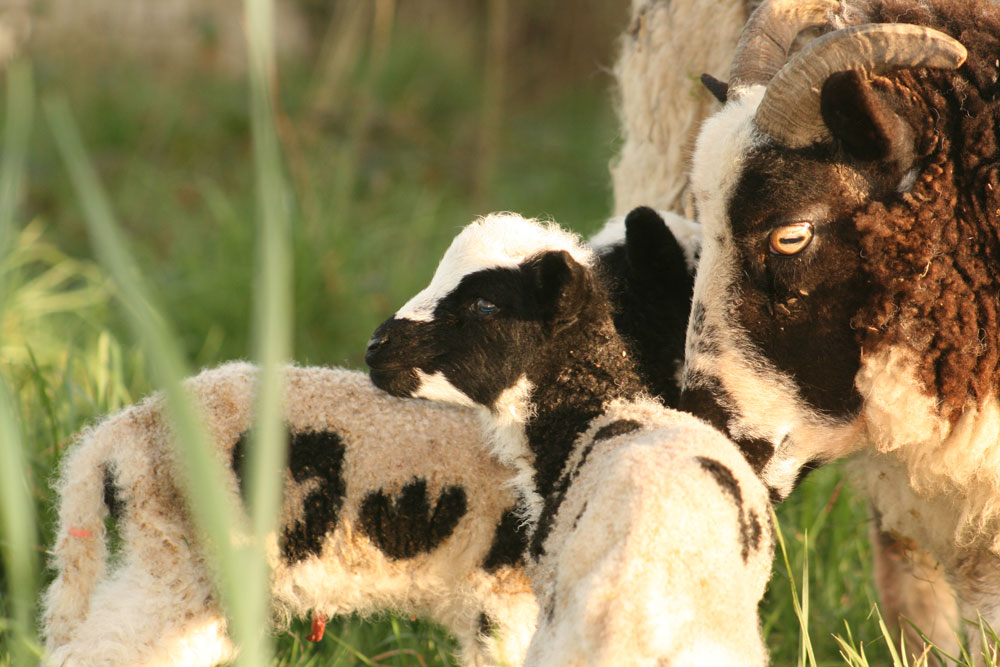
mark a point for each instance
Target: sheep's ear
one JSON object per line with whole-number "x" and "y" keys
{"x": 563, "y": 289}
{"x": 654, "y": 255}
{"x": 719, "y": 89}
{"x": 863, "y": 121}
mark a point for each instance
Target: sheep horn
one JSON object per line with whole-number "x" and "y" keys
{"x": 789, "y": 113}
{"x": 767, "y": 36}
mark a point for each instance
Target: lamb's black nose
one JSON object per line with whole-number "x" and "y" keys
{"x": 378, "y": 340}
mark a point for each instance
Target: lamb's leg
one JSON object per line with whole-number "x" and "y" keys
{"x": 150, "y": 614}
{"x": 913, "y": 592}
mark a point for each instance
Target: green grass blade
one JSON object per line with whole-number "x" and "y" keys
{"x": 806, "y": 655}
{"x": 17, "y": 517}
{"x": 211, "y": 504}
{"x": 272, "y": 307}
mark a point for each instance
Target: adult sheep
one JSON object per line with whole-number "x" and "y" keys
{"x": 387, "y": 507}
{"x": 650, "y": 537}
{"x": 850, "y": 200}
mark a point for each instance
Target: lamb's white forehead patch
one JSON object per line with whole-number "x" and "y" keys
{"x": 499, "y": 240}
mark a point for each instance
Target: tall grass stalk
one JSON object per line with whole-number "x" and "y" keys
{"x": 17, "y": 519}
{"x": 272, "y": 306}
{"x": 807, "y": 657}
{"x": 211, "y": 505}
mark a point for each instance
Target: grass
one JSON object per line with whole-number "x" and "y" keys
{"x": 198, "y": 213}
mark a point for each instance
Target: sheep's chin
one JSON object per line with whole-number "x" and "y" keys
{"x": 436, "y": 387}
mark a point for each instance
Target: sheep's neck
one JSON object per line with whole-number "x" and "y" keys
{"x": 590, "y": 367}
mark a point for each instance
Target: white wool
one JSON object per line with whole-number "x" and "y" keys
{"x": 941, "y": 459}
{"x": 661, "y": 102}
{"x": 158, "y": 606}
{"x": 645, "y": 563}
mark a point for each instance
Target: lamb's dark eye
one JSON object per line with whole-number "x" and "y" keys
{"x": 483, "y": 308}
{"x": 791, "y": 239}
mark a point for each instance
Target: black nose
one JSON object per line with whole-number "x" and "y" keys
{"x": 378, "y": 340}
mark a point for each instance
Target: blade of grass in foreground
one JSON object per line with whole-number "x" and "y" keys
{"x": 806, "y": 654}
{"x": 211, "y": 505}
{"x": 17, "y": 519}
{"x": 272, "y": 304}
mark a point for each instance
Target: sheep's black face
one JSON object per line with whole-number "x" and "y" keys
{"x": 501, "y": 292}
{"x": 772, "y": 352}
{"x": 479, "y": 341}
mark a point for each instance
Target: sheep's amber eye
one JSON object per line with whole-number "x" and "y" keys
{"x": 483, "y": 308}
{"x": 791, "y": 239}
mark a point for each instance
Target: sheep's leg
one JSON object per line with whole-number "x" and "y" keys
{"x": 150, "y": 614}
{"x": 913, "y": 592}
{"x": 975, "y": 575}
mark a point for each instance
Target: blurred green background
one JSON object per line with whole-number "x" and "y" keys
{"x": 399, "y": 122}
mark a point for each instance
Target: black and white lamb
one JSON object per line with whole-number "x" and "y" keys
{"x": 437, "y": 543}
{"x": 850, "y": 200}
{"x": 388, "y": 506}
{"x": 650, "y": 535}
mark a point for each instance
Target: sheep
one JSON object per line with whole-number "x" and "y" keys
{"x": 850, "y": 202}
{"x": 387, "y": 506}
{"x": 640, "y": 261}
{"x": 649, "y": 533}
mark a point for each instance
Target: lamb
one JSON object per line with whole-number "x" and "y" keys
{"x": 649, "y": 532}
{"x": 387, "y": 506}
{"x": 653, "y": 253}
{"x": 850, "y": 200}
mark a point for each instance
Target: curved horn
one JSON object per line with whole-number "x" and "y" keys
{"x": 769, "y": 33}
{"x": 789, "y": 113}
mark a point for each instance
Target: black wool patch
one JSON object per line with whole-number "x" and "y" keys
{"x": 112, "y": 494}
{"x": 750, "y": 528}
{"x": 487, "y": 626}
{"x": 509, "y": 542}
{"x": 312, "y": 455}
{"x": 796, "y": 310}
{"x": 315, "y": 455}
{"x": 650, "y": 287}
{"x": 406, "y": 525}
{"x": 550, "y": 609}
{"x": 236, "y": 462}
{"x": 571, "y": 390}
{"x": 756, "y": 531}
{"x": 616, "y": 428}
{"x": 583, "y": 510}
{"x": 554, "y": 500}
{"x": 706, "y": 397}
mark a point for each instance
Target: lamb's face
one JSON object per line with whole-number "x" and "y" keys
{"x": 487, "y": 314}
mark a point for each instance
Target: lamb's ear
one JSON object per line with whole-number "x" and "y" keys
{"x": 654, "y": 255}
{"x": 863, "y": 121}
{"x": 719, "y": 89}
{"x": 563, "y": 289}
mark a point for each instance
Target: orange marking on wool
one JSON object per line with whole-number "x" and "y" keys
{"x": 80, "y": 532}
{"x": 318, "y": 627}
